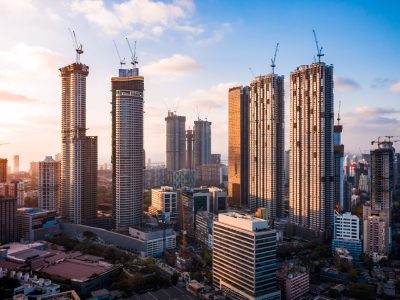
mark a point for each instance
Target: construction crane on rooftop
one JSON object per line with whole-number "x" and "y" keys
{"x": 78, "y": 46}
{"x": 134, "y": 58}
{"x": 121, "y": 61}
{"x": 385, "y": 139}
{"x": 319, "y": 49}
{"x": 273, "y": 65}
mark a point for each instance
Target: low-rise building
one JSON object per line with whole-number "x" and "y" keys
{"x": 35, "y": 224}
{"x": 293, "y": 281}
{"x": 156, "y": 239}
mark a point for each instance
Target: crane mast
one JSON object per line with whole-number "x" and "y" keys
{"x": 319, "y": 49}
{"x": 78, "y": 46}
{"x": 273, "y": 65}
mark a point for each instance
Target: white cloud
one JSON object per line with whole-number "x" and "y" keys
{"x": 214, "y": 97}
{"x": 148, "y": 15}
{"x": 176, "y": 65}
{"x": 345, "y": 84}
{"x": 395, "y": 88}
{"x": 217, "y": 35}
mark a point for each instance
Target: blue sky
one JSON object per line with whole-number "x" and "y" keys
{"x": 190, "y": 53}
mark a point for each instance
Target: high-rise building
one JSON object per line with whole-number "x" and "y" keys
{"x": 8, "y": 223}
{"x": 3, "y": 170}
{"x": 218, "y": 200}
{"x": 202, "y": 142}
{"x": 49, "y": 184}
{"x": 266, "y": 131}
{"x": 189, "y": 159}
{"x": 79, "y": 152}
{"x": 34, "y": 169}
{"x": 127, "y": 147}
{"x": 338, "y": 167}
{"x": 376, "y": 236}
{"x": 311, "y": 171}
{"x": 16, "y": 164}
{"x": 346, "y": 234}
{"x": 382, "y": 176}
{"x": 215, "y": 158}
{"x": 238, "y": 146}
{"x": 244, "y": 257}
{"x": 175, "y": 141}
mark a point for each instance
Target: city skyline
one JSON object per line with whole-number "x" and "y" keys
{"x": 187, "y": 41}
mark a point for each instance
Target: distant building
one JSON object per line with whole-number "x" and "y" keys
{"x": 49, "y": 184}
{"x": 183, "y": 178}
{"x": 35, "y": 224}
{"x": 8, "y": 208}
{"x": 189, "y": 157}
{"x": 244, "y": 257}
{"x": 3, "y": 170}
{"x": 238, "y": 146}
{"x": 175, "y": 141}
{"x": 156, "y": 240}
{"x": 202, "y": 142}
{"x": 16, "y": 164}
{"x": 215, "y": 158}
{"x": 211, "y": 175}
{"x": 267, "y": 144}
{"x": 364, "y": 183}
{"x": 14, "y": 189}
{"x": 346, "y": 234}
{"x": 155, "y": 177}
{"x": 34, "y": 169}
{"x": 338, "y": 149}
{"x": 165, "y": 201}
{"x": 293, "y": 282}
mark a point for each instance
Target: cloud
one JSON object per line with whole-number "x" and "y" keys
{"x": 365, "y": 116}
{"x": 395, "y": 88}
{"x": 16, "y": 98}
{"x": 177, "y": 65}
{"x": 217, "y": 35}
{"x": 345, "y": 84}
{"x": 149, "y": 15}
{"x": 381, "y": 82}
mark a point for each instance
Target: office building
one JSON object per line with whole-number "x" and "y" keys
{"x": 244, "y": 257}
{"x": 204, "y": 227}
{"x": 293, "y": 281}
{"x": 175, "y": 141}
{"x": 16, "y": 164}
{"x": 238, "y": 146}
{"x": 266, "y": 134}
{"x": 49, "y": 184}
{"x": 189, "y": 156}
{"x": 202, "y": 142}
{"x": 338, "y": 148}
{"x": 127, "y": 147}
{"x": 311, "y": 171}
{"x": 382, "y": 176}
{"x": 79, "y": 152}
{"x": 8, "y": 208}
{"x": 346, "y": 234}
{"x": 164, "y": 201}
{"x": 3, "y": 170}
{"x": 154, "y": 240}
{"x": 35, "y": 224}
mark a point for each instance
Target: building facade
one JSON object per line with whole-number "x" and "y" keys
{"x": 189, "y": 156}
{"x": 32, "y": 223}
{"x": 376, "y": 236}
{"x": 8, "y": 208}
{"x": 175, "y": 141}
{"x": 16, "y": 164}
{"x": 165, "y": 200}
{"x": 311, "y": 191}
{"x": 79, "y": 152}
{"x": 49, "y": 184}
{"x": 339, "y": 167}
{"x": 293, "y": 282}
{"x": 127, "y": 147}
{"x": 238, "y": 146}
{"x": 266, "y": 131}
{"x": 244, "y": 257}
{"x": 346, "y": 234}
{"x": 201, "y": 142}
{"x": 3, "y": 170}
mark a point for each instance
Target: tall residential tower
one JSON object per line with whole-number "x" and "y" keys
{"x": 175, "y": 141}
{"x": 202, "y": 142}
{"x": 49, "y": 184}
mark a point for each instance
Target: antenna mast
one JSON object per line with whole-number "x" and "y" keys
{"x": 274, "y": 59}
{"x": 78, "y": 46}
{"x": 121, "y": 61}
{"x": 319, "y": 50}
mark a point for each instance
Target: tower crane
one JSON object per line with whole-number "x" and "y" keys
{"x": 121, "y": 61}
{"x": 134, "y": 58}
{"x": 274, "y": 59}
{"x": 319, "y": 50}
{"x": 386, "y": 139}
{"x": 78, "y": 46}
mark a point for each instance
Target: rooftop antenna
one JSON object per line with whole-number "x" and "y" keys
{"x": 134, "y": 59}
{"x": 338, "y": 115}
{"x": 78, "y": 46}
{"x": 121, "y": 61}
{"x": 319, "y": 50}
{"x": 274, "y": 59}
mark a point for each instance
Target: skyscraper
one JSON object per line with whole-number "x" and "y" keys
{"x": 175, "y": 141}
{"x": 266, "y": 151}
{"x": 238, "y": 146}
{"x": 3, "y": 170}
{"x": 311, "y": 147}
{"x": 127, "y": 147}
{"x": 8, "y": 222}
{"x": 16, "y": 163}
{"x": 189, "y": 149}
{"x": 202, "y": 142}
{"x": 338, "y": 167}
{"x": 79, "y": 152}
{"x": 49, "y": 184}
{"x": 244, "y": 257}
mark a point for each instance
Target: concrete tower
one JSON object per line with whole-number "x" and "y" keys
{"x": 49, "y": 184}
{"x": 175, "y": 141}
{"x": 189, "y": 149}
{"x": 202, "y": 142}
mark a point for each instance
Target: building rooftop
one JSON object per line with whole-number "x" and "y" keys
{"x": 32, "y": 211}
{"x": 243, "y": 221}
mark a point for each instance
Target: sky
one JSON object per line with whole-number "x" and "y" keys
{"x": 190, "y": 53}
